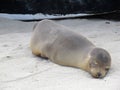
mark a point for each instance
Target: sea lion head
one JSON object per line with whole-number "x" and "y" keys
{"x": 99, "y": 62}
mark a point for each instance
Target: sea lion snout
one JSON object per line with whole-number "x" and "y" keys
{"x": 99, "y": 75}
{"x": 96, "y": 73}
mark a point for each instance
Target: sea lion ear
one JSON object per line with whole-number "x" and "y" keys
{"x": 93, "y": 63}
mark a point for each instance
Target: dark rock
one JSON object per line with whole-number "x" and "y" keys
{"x": 107, "y": 22}
{"x": 58, "y": 6}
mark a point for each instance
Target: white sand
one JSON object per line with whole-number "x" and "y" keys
{"x": 20, "y": 70}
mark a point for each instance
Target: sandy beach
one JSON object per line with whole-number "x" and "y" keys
{"x": 21, "y": 70}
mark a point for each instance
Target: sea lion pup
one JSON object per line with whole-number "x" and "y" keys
{"x": 65, "y": 47}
